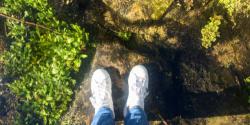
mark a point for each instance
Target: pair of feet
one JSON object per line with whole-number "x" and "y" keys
{"x": 102, "y": 94}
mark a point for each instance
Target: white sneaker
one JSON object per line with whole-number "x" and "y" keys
{"x": 138, "y": 87}
{"x": 101, "y": 90}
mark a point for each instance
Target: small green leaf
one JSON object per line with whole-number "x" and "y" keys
{"x": 83, "y": 56}
{"x": 49, "y": 98}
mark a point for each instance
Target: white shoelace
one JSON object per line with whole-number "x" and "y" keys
{"x": 101, "y": 95}
{"x": 139, "y": 86}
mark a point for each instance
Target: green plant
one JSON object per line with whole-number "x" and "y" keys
{"x": 229, "y": 5}
{"x": 43, "y": 53}
{"x": 211, "y": 31}
{"x": 124, "y": 35}
{"x": 158, "y": 7}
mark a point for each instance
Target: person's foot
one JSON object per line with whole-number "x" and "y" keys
{"x": 101, "y": 90}
{"x": 138, "y": 86}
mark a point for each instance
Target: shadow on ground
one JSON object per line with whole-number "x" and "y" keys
{"x": 185, "y": 80}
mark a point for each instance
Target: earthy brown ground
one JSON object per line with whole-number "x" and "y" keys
{"x": 189, "y": 85}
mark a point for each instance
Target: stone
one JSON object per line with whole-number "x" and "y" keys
{"x": 118, "y": 61}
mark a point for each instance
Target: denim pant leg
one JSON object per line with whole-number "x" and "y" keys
{"x": 136, "y": 116}
{"x": 103, "y": 117}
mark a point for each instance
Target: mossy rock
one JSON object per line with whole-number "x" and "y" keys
{"x": 140, "y": 10}
{"x": 157, "y": 7}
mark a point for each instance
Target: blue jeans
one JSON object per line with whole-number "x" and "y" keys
{"x": 135, "y": 116}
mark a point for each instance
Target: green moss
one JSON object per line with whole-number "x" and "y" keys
{"x": 158, "y": 7}
{"x": 124, "y": 35}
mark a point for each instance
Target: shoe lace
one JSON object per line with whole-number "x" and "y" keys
{"x": 139, "y": 87}
{"x": 101, "y": 94}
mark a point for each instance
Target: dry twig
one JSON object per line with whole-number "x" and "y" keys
{"x": 25, "y": 22}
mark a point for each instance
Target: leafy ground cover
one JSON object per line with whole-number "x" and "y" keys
{"x": 43, "y": 52}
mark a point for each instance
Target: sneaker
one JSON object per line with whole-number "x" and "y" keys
{"x": 138, "y": 88}
{"x": 101, "y": 90}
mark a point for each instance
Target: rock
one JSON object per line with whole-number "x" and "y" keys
{"x": 118, "y": 61}
{"x": 210, "y": 90}
{"x": 139, "y": 10}
{"x": 234, "y": 53}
